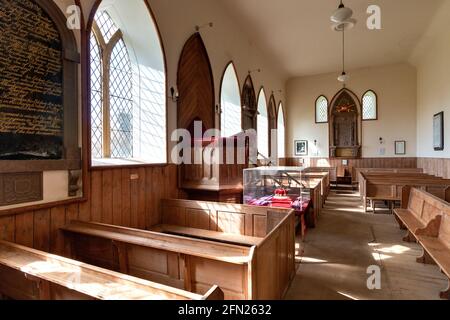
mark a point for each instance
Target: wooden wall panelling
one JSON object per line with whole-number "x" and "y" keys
{"x": 24, "y": 229}
{"x": 38, "y": 229}
{"x": 126, "y": 197}
{"x": 436, "y": 166}
{"x": 41, "y": 239}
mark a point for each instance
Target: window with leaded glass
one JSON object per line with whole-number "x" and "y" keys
{"x": 370, "y": 106}
{"x": 263, "y": 125}
{"x": 322, "y": 110}
{"x": 230, "y": 101}
{"x": 281, "y": 133}
{"x": 128, "y": 93}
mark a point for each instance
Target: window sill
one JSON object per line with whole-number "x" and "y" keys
{"x": 104, "y": 164}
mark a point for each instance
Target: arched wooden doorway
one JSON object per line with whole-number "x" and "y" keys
{"x": 345, "y": 125}
{"x": 249, "y": 105}
{"x": 195, "y": 85}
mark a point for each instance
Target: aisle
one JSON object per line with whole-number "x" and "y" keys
{"x": 346, "y": 242}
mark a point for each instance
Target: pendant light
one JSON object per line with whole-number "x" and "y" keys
{"x": 342, "y": 18}
{"x": 342, "y": 14}
{"x": 344, "y": 77}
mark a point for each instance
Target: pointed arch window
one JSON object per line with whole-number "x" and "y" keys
{"x": 322, "y": 110}
{"x": 370, "y": 106}
{"x": 281, "y": 132}
{"x": 128, "y": 95}
{"x": 230, "y": 101}
{"x": 263, "y": 125}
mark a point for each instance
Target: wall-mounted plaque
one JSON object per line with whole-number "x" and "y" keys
{"x": 16, "y": 188}
{"x": 438, "y": 131}
{"x": 31, "y": 83}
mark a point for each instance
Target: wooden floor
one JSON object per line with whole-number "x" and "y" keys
{"x": 335, "y": 257}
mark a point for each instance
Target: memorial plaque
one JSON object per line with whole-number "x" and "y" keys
{"x": 31, "y": 83}
{"x": 16, "y": 188}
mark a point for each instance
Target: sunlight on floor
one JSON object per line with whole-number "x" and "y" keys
{"x": 348, "y": 296}
{"x": 312, "y": 260}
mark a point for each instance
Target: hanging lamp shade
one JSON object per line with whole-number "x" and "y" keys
{"x": 342, "y": 14}
{"x": 343, "y": 26}
{"x": 344, "y": 77}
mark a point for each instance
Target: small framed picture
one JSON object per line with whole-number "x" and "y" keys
{"x": 438, "y": 131}
{"x": 301, "y": 148}
{"x": 400, "y": 147}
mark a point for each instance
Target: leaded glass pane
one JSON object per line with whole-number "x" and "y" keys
{"x": 322, "y": 110}
{"x": 281, "y": 133}
{"x": 106, "y": 25}
{"x": 263, "y": 125}
{"x": 96, "y": 99}
{"x": 121, "y": 102}
{"x": 369, "y": 106}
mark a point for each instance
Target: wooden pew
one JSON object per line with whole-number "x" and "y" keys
{"x": 332, "y": 172}
{"x": 28, "y": 274}
{"x": 357, "y": 171}
{"x": 427, "y": 220}
{"x": 324, "y": 177}
{"x": 389, "y": 188}
{"x": 437, "y": 247}
{"x": 315, "y": 194}
{"x": 253, "y": 259}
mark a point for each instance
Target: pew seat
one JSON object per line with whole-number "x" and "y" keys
{"x": 29, "y": 274}
{"x": 438, "y": 249}
{"x": 207, "y": 235}
{"x": 427, "y": 219}
{"x": 171, "y": 243}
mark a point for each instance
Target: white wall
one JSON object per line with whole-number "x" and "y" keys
{"x": 432, "y": 58}
{"x": 225, "y": 42}
{"x": 395, "y": 86}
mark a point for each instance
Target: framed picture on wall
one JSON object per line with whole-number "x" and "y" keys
{"x": 438, "y": 131}
{"x": 400, "y": 147}
{"x": 301, "y": 148}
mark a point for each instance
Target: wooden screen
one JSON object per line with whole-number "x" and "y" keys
{"x": 195, "y": 85}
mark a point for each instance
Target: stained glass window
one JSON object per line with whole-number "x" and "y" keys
{"x": 370, "y": 105}
{"x": 321, "y": 110}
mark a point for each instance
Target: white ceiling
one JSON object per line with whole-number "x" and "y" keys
{"x": 297, "y": 34}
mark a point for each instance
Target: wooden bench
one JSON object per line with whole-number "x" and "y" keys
{"x": 390, "y": 188}
{"x": 207, "y": 235}
{"x": 193, "y": 252}
{"x": 427, "y": 220}
{"x": 357, "y": 171}
{"x": 437, "y": 247}
{"x": 28, "y": 274}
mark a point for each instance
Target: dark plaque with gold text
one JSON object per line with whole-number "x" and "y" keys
{"x": 31, "y": 83}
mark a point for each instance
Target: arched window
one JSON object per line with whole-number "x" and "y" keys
{"x": 322, "y": 110}
{"x": 370, "y": 106}
{"x": 281, "y": 132}
{"x": 263, "y": 125}
{"x": 128, "y": 87}
{"x": 230, "y": 100}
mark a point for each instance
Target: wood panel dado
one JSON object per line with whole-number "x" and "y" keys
{"x": 435, "y": 166}
{"x": 128, "y": 197}
{"x": 355, "y": 163}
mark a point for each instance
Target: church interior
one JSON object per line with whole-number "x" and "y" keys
{"x": 224, "y": 150}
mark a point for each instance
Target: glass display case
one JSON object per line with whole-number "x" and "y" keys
{"x": 282, "y": 187}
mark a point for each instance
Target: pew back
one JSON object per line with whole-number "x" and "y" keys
{"x": 28, "y": 274}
